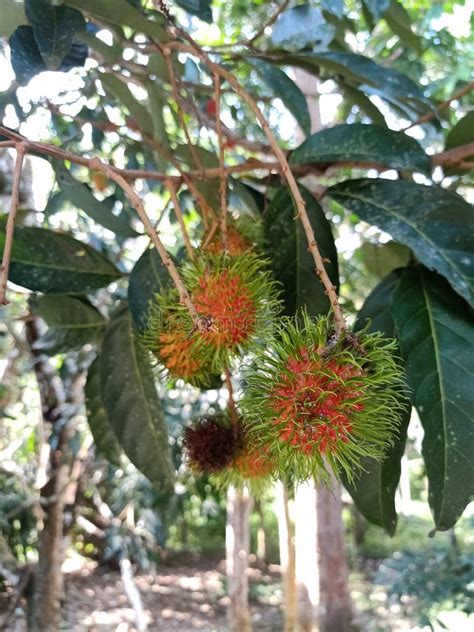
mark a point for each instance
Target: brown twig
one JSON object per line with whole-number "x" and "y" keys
{"x": 98, "y": 165}
{"x": 175, "y": 90}
{"x": 179, "y": 214}
{"x": 302, "y": 215}
{"x": 442, "y": 106}
{"x": 454, "y": 157}
{"x": 10, "y": 227}
{"x": 222, "y": 174}
{"x": 268, "y": 23}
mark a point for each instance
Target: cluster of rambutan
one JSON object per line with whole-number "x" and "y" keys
{"x": 214, "y": 446}
{"x": 234, "y": 293}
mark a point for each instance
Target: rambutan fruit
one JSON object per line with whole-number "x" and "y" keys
{"x": 312, "y": 402}
{"x": 237, "y": 243}
{"x": 210, "y": 445}
{"x": 234, "y": 294}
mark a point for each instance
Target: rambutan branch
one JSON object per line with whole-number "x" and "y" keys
{"x": 302, "y": 214}
{"x": 179, "y": 215}
{"x": 222, "y": 174}
{"x": 10, "y": 227}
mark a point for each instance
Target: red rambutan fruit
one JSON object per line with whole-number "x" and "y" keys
{"x": 210, "y": 445}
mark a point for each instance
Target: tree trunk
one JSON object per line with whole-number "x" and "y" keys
{"x": 306, "y": 559}
{"x": 45, "y": 601}
{"x": 335, "y": 610}
{"x": 237, "y": 550}
{"x": 286, "y": 536}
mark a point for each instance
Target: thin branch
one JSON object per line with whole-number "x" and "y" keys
{"x": 10, "y": 228}
{"x": 4, "y": 144}
{"x": 222, "y": 174}
{"x": 442, "y": 106}
{"x": 200, "y": 323}
{"x": 454, "y": 157}
{"x": 269, "y": 22}
{"x": 179, "y": 215}
{"x": 330, "y": 289}
{"x": 175, "y": 90}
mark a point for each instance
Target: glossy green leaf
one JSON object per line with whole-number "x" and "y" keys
{"x": 398, "y": 20}
{"x": 461, "y": 134}
{"x": 131, "y": 401}
{"x": 381, "y": 259}
{"x": 45, "y": 261}
{"x": 72, "y": 322}
{"x": 117, "y": 88}
{"x": 363, "y": 143}
{"x": 80, "y": 195}
{"x": 374, "y": 489}
{"x": 436, "y": 335}
{"x": 200, "y": 8}
{"x": 300, "y": 27}
{"x": 54, "y": 28}
{"x": 359, "y": 71}
{"x": 104, "y": 437}
{"x": 286, "y": 90}
{"x": 436, "y": 224}
{"x": 148, "y": 277}
{"x": 13, "y": 15}
{"x": 287, "y": 248}
{"x": 122, "y": 12}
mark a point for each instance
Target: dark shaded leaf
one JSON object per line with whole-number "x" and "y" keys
{"x": 398, "y": 20}
{"x": 287, "y": 248}
{"x": 363, "y": 143}
{"x": 104, "y": 437}
{"x": 54, "y": 28}
{"x": 300, "y": 27}
{"x": 200, "y": 8}
{"x": 336, "y": 7}
{"x": 436, "y": 335}
{"x": 377, "y": 7}
{"x": 286, "y": 90}
{"x": 374, "y": 490}
{"x": 461, "y": 134}
{"x": 72, "y": 323}
{"x": 45, "y": 261}
{"x": 436, "y": 224}
{"x": 131, "y": 402}
{"x": 81, "y": 196}
{"x": 148, "y": 277}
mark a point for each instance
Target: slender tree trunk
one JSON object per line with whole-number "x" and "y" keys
{"x": 261, "y": 535}
{"x": 286, "y": 536}
{"x": 335, "y": 609}
{"x": 306, "y": 558}
{"x": 238, "y": 548}
{"x": 45, "y": 601}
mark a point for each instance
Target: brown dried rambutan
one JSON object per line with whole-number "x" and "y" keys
{"x": 210, "y": 445}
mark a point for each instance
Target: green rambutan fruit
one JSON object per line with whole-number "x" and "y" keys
{"x": 312, "y": 401}
{"x": 238, "y": 298}
{"x": 210, "y": 444}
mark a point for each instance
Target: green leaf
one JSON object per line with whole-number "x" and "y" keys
{"x": 364, "y": 104}
{"x": 200, "y": 8}
{"x": 121, "y": 12}
{"x": 381, "y": 259}
{"x": 335, "y": 7}
{"x": 363, "y": 143}
{"x": 104, "y": 437}
{"x": 358, "y": 71}
{"x": 286, "y": 90}
{"x": 287, "y": 248}
{"x": 118, "y": 89}
{"x": 148, "y": 277}
{"x": 131, "y": 402}
{"x": 436, "y": 224}
{"x": 54, "y": 28}
{"x": 80, "y": 194}
{"x": 436, "y": 335}
{"x": 45, "y": 261}
{"x": 300, "y": 27}
{"x": 398, "y": 20}
{"x": 377, "y": 7}
{"x": 72, "y": 322}
{"x": 13, "y": 15}
{"x": 461, "y": 134}
{"x": 374, "y": 490}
